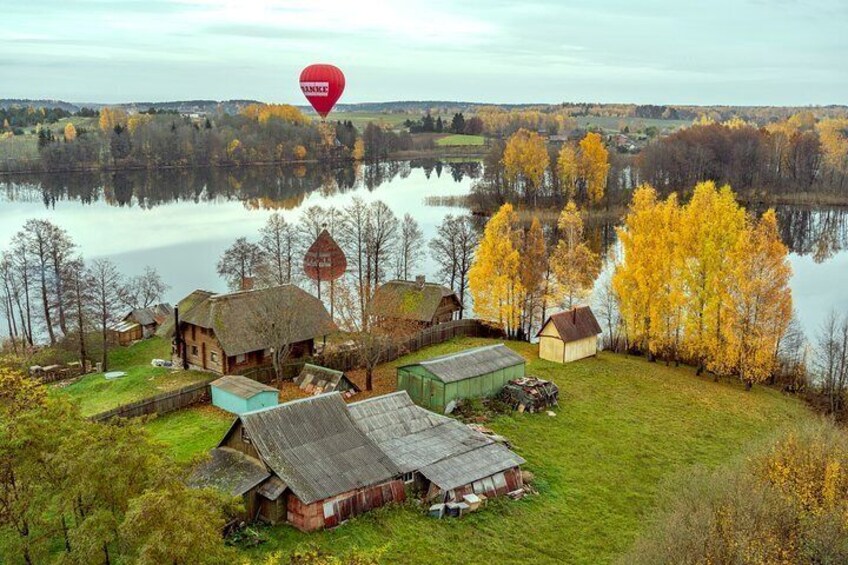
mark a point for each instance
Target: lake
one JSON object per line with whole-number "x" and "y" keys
{"x": 180, "y": 221}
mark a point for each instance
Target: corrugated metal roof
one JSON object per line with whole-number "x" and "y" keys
{"x": 240, "y": 386}
{"x": 314, "y": 446}
{"x": 419, "y": 440}
{"x": 471, "y": 362}
{"x": 229, "y": 471}
{"x": 122, "y": 327}
{"x": 480, "y": 463}
{"x": 572, "y": 325}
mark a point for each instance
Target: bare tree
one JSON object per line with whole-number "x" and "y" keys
{"x": 281, "y": 243}
{"x": 453, "y": 250}
{"x": 7, "y": 306}
{"x": 106, "y": 285}
{"x": 36, "y": 236}
{"x": 352, "y": 238}
{"x": 381, "y": 240}
{"x": 316, "y": 218}
{"x": 22, "y": 271}
{"x": 275, "y": 319}
{"x": 240, "y": 262}
{"x": 607, "y": 306}
{"x": 61, "y": 248}
{"x": 144, "y": 290}
{"x": 79, "y": 300}
{"x": 410, "y": 247}
{"x": 831, "y": 360}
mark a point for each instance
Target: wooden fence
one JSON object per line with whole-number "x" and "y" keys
{"x": 349, "y": 359}
{"x": 197, "y": 393}
{"x": 339, "y": 360}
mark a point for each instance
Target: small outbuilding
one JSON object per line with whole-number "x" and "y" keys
{"x": 125, "y": 332}
{"x": 150, "y": 318}
{"x": 417, "y": 302}
{"x": 439, "y": 382}
{"x": 237, "y": 394}
{"x": 314, "y": 379}
{"x": 569, "y": 335}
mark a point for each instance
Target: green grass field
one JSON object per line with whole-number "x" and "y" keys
{"x": 361, "y": 119}
{"x": 190, "y": 432}
{"x": 95, "y": 394}
{"x": 25, "y": 147}
{"x": 623, "y": 427}
{"x": 613, "y": 124}
{"x": 460, "y": 140}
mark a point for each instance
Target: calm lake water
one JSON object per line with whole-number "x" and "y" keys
{"x": 181, "y": 221}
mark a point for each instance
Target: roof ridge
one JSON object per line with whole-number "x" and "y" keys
{"x": 462, "y": 353}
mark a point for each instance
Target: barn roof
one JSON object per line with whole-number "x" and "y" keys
{"x": 471, "y": 362}
{"x": 410, "y": 300}
{"x": 236, "y": 317}
{"x": 229, "y": 471}
{"x": 572, "y": 325}
{"x": 240, "y": 386}
{"x": 313, "y": 445}
{"x": 323, "y": 379}
{"x": 151, "y": 315}
{"x": 123, "y": 326}
{"x": 444, "y": 450}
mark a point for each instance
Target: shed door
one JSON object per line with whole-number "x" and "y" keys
{"x": 433, "y": 393}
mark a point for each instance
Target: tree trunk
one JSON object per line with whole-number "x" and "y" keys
{"x": 369, "y": 377}
{"x": 105, "y": 357}
{"x": 47, "y": 320}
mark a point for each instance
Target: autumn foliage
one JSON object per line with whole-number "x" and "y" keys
{"x": 704, "y": 282}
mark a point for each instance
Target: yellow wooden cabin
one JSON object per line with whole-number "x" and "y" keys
{"x": 569, "y": 335}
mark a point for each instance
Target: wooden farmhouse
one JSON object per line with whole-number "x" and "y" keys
{"x": 437, "y": 383}
{"x": 150, "y": 318}
{"x": 569, "y": 335}
{"x": 235, "y": 332}
{"x": 418, "y": 302}
{"x": 442, "y": 457}
{"x": 316, "y": 462}
{"x": 304, "y": 462}
{"x": 238, "y": 394}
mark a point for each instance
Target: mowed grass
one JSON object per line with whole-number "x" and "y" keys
{"x": 190, "y": 432}
{"x": 460, "y": 140}
{"x": 623, "y": 426}
{"x": 94, "y": 393}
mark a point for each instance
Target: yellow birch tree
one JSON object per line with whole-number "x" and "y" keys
{"x": 494, "y": 279}
{"x": 525, "y": 160}
{"x": 594, "y": 162}
{"x": 574, "y": 265}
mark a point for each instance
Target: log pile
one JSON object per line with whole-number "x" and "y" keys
{"x": 530, "y": 394}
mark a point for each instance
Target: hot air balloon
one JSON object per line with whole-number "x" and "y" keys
{"x": 323, "y": 86}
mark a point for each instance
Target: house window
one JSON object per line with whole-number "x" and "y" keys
{"x": 214, "y": 357}
{"x": 408, "y": 477}
{"x": 194, "y": 350}
{"x": 241, "y": 359}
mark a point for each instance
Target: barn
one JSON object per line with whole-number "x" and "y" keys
{"x": 124, "y": 333}
{"x": 237, "y": 394}
{"x": 319, "y": 468}
{"x": 569, "y": 335}
{"x": 439, "y": 382}
{"x": 442, "y": 457}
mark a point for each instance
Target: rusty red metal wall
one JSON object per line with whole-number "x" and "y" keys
{"x": 310, "y": 517}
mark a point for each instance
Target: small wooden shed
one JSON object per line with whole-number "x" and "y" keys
{"x": 569, "y": 335}
{"x": 439, "y": 382}
{"x": 237, "y": 394}
{"x": 125, "y": 332}
{"x": 314, "y": 379}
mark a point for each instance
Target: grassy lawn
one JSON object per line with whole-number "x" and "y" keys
{"x": 96, "y": 394}
{"x": 190, "y": 432}
{"x": 623, "y": 427}
{"x": 460, "y": 139}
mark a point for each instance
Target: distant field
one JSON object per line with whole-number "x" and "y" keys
{"x": 20, "y": 147}
{"x": 361, "y": 119}
{"x": 459, "y": 140}
{"x": 635, "y": 124}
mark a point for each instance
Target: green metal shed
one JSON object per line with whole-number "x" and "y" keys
{"x": 439, "y": 382}
{"x": 238, "y": 394}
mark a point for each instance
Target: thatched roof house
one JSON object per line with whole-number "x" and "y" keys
{"x": 150, "y": 318}
{"x": 230, "y": 333}
{"x": 322, "y": 469}
{"x": 569, "y": 335}
{"x": 446, "y": 458}
{"x": 416, "y": 301}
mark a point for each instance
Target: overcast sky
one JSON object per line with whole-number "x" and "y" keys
{"x": 758, "y": 52}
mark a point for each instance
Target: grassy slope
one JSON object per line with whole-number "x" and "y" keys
{"x": 190, "y": 432}
{"x": 96, "y": 394}
{"x": 623, "y": 426}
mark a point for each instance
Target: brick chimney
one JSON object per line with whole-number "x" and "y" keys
{"x": 247, "y": 283}
{"x": 420, "y": 280}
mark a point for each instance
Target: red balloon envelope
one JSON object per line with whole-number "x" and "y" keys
{"x": 323, "y": 86}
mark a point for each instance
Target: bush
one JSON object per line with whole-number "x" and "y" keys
{"x": 784, "y": 504}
